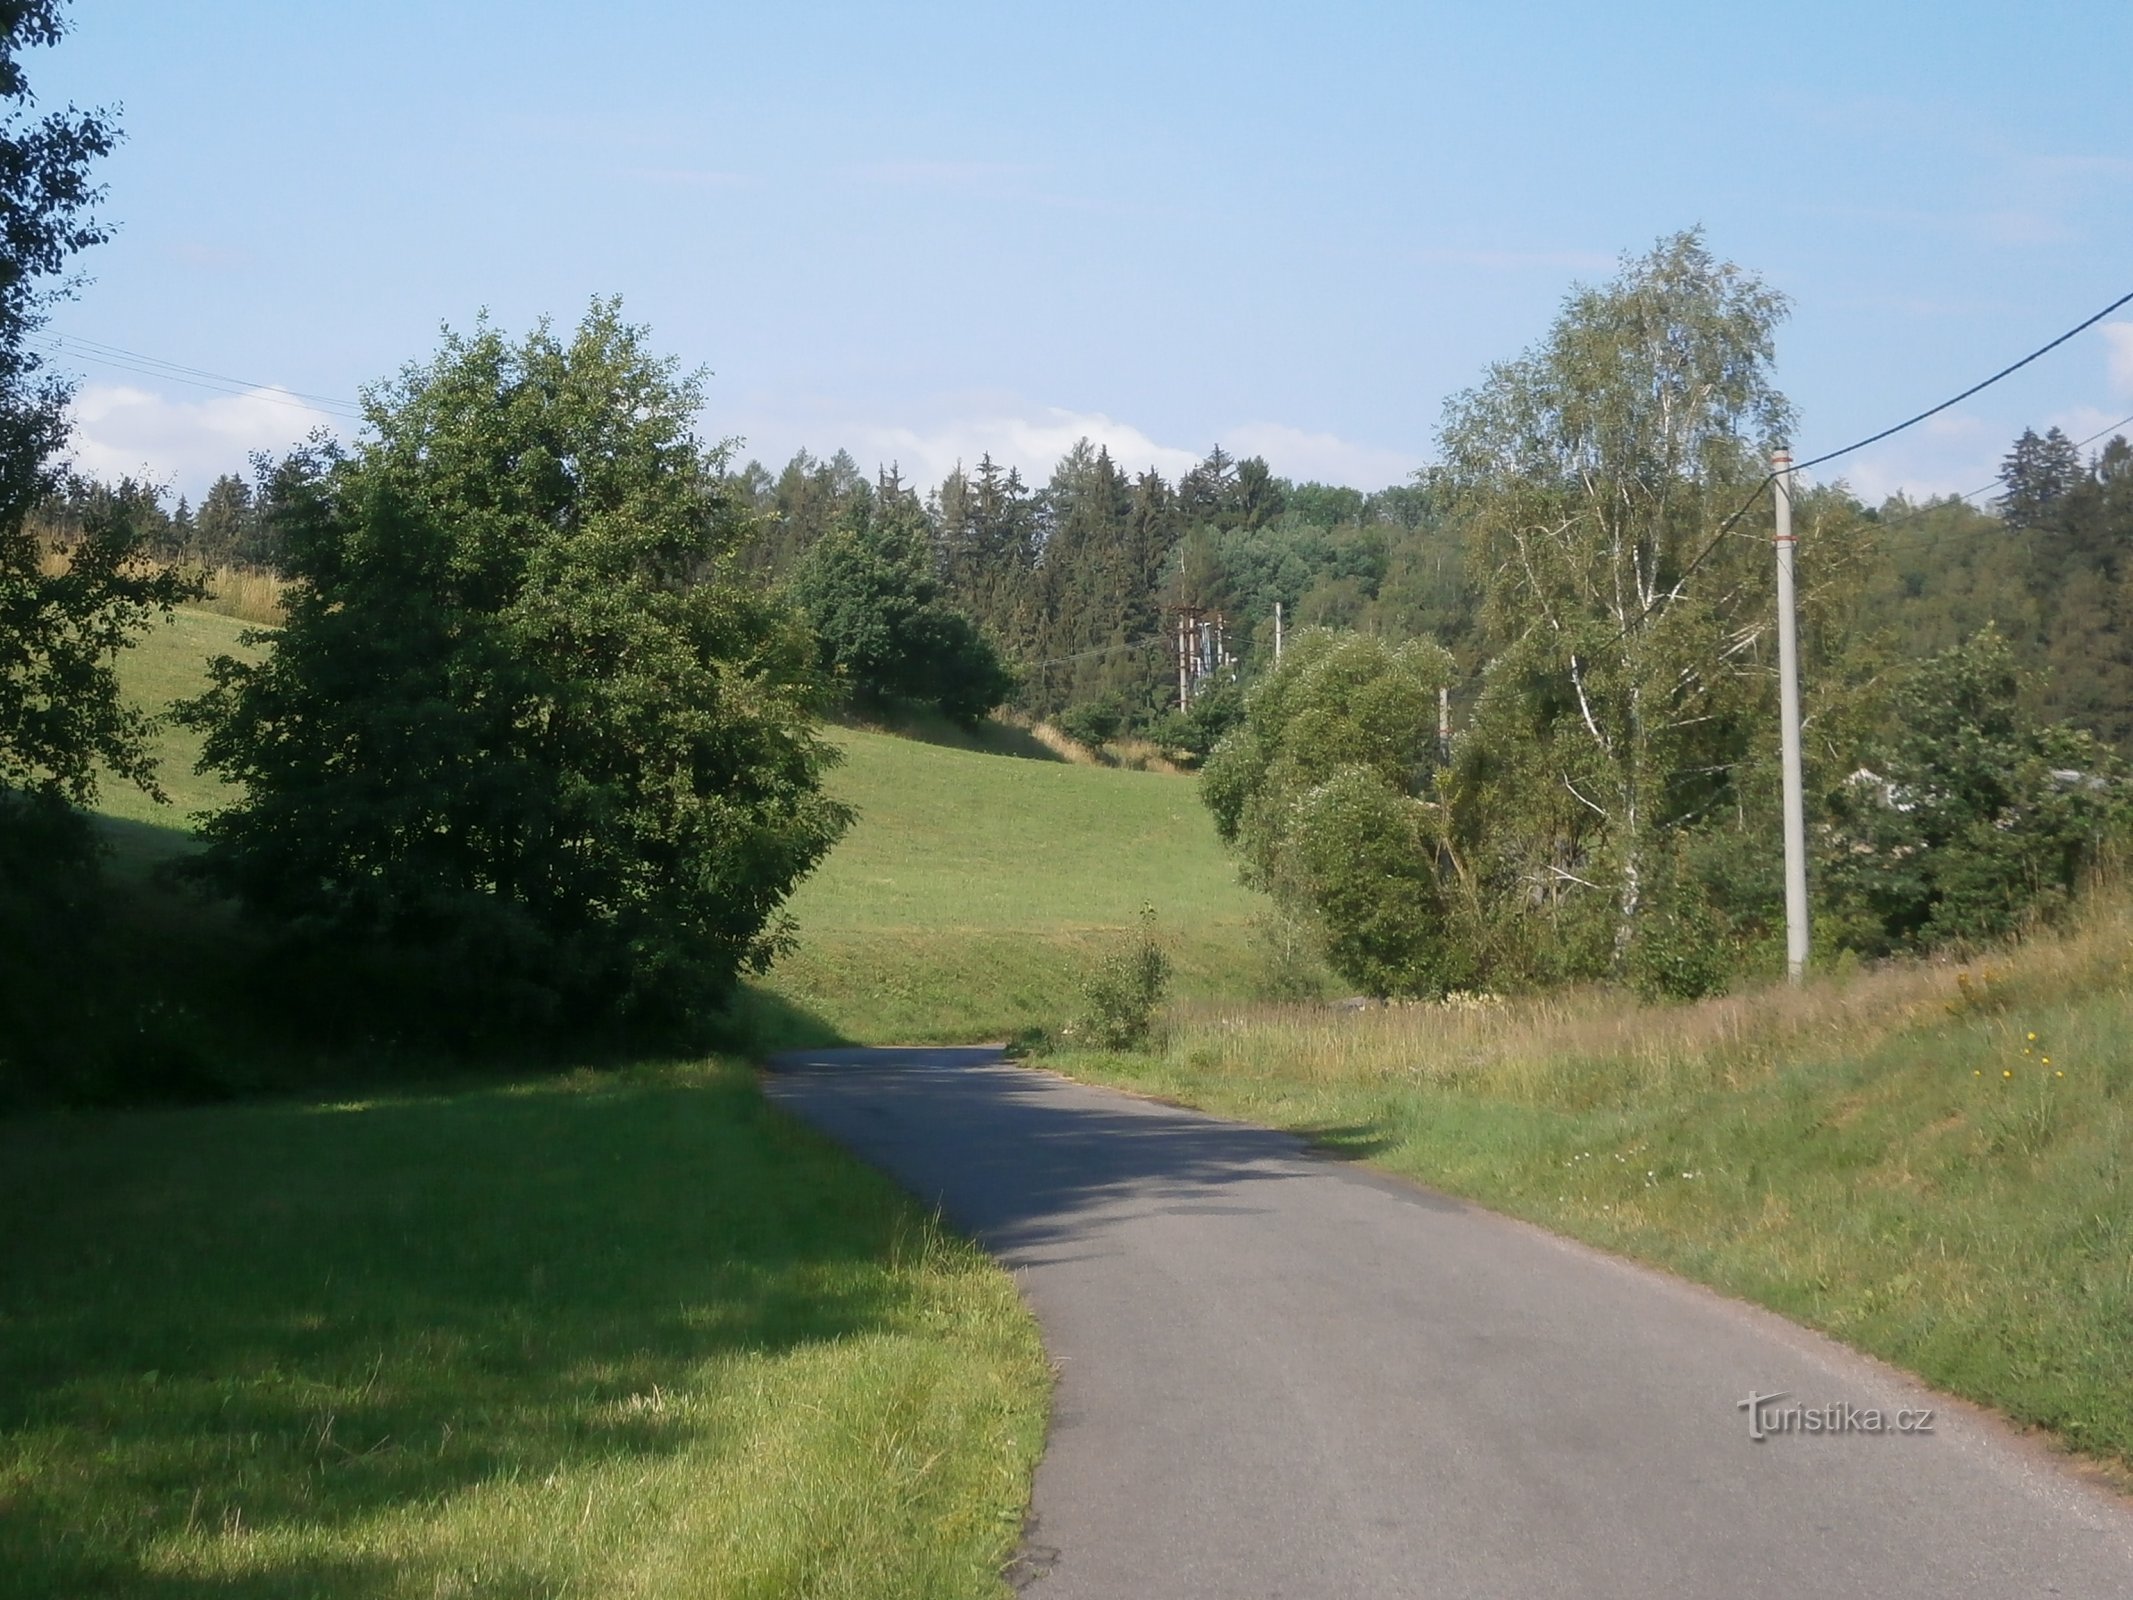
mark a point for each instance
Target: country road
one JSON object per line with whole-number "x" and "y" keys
{"x": 1280, "y": 1375}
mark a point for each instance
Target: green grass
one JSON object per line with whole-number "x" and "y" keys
{"x": 980, "y": 885}
{"x": 1876, "y": 1157}
{"x": 630, "y": 1334}
{"x": 976, "y": 892}
{"x": 168, "y": 664}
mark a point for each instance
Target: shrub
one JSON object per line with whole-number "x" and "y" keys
{"x": 1094, "y": 723}
{"x": 1127, "y": 990}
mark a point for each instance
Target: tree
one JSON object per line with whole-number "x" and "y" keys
{"x": 1328, "y": 791}
{"x": 2038, "y": 474}
{"x": 226, "y": 525}
{"x": 63, "y": 618}
{"x": 1591, "y": 477}
{"x": 1977, "y": 818}
{"x": 868, "y": 590}
{"x": 522, "y": 726}
{"x": 66, "y": 608}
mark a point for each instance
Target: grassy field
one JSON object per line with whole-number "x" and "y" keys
{"x": 976, "y": 890}
{"x": 1934, "y": 1163}
{"x": 981, "y": 882}
{"x": 168, "y": 664}
{"x": 630, "y": 1334}
{"x": 627, "y": 1332}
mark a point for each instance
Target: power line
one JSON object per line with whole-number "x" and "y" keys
{"x": 1769, "y": 478}
{"x": 101, "y": 354}
{"x": 1919, "y": 513}
{"x": 1975, "y": 388}
{"x": 1105, "y": 650}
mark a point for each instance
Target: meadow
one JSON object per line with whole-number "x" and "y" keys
{"x": 618, "y": 1333}
{"x": 1926, "y": 1159}
{"x": 983, "y": 878}
{"x": 977, "y": 890}
{"x": 510, "y": 1329}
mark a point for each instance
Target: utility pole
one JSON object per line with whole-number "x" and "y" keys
{"x": 1789, "y": 724}
{"x": 1277, "y": 632}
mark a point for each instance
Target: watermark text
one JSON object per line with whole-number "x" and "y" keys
{"x": 1773, "y": 1415}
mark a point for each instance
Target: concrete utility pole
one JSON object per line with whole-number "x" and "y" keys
{"x": 1184, "y": 683}
{"x": 1789, "y": 725}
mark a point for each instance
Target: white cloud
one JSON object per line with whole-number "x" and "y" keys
{"x": 1034, "y": 443}
{"x": 1952, "y": 453}
{"x": 1321, "y": 457}
{"x": 2118, "y": 356}
{"x": 185, "y": 444}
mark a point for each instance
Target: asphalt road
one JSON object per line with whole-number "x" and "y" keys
{"x": 1280, "y": 1375}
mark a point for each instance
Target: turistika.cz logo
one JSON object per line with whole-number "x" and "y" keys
{"x": 1768, "y": 1416}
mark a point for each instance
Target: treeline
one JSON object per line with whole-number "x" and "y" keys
{"x": 233, "y": 526}
{"x": 1072, "y": 579}
{"x": 1609, "y": 804}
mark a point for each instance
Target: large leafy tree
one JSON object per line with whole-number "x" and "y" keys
{"x": 1592, "y": 476}
{"x": 884, "y": 629}
{"x": 520, "y": 720}
{"x": 64, "y": 616}
{"x": 1977, "y": 819}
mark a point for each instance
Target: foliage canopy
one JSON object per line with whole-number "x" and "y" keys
{"x": 521, "y": 721}
{"x": 1328, "y": 789}
{"x": 886, "y": 633}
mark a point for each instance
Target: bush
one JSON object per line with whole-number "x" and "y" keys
{"x": 1681, "y": 951}
{"x": 1327, "y": 790}
{"x": 1095, "y": 723}
{"x": 522, "y": 741}
{"x": 1976, "y": 821}
{"x": 1127, "y": 990}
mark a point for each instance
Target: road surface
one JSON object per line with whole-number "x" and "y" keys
{"x": 1280, "y": 1375}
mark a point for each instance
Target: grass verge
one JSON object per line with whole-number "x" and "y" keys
{"x": 616, "y": 1334}
{"x": 1933, "y": 1163}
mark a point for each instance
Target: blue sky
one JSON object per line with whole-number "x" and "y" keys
{"x": 921, "y": 231}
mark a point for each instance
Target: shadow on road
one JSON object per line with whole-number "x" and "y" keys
{"x": 1020, "y": 1158}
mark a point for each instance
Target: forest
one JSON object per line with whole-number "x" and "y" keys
{"x": 1072, "y": 580}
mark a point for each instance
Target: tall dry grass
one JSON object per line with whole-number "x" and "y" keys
{"x": 1587, "y": 1046}
{"x": 241, "y": 592}
{"x": 1128, "y": 755}
{"x": 248, "y": 595}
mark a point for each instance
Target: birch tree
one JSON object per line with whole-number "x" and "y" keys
{"x": 1591, "y": 474}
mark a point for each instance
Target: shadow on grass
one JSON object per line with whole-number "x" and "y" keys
{"x": 133, "y": 850}
{"x": 991, "y": 737}
{"x": 153, "y": 993}
{"x": 1349, "y": 1141}
{"x": 761, "y": 1020}
{"x": 321, "y": 1324}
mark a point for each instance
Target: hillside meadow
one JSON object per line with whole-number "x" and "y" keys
{"x": 977, "y": 890}
{"x": 612, "y": 1328}
{"x": 983, "y": 878}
